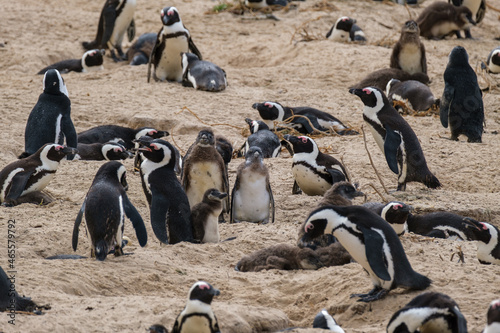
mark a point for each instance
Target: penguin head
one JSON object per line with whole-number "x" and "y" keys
{"x": 495, "y": 57}
{"x": 213, "y": 194}
{"x": 157, "y": 151}
{"x": 325, "y": 321}
{"x": 101, "y": 250}
{"x": 494, "y": 312}
{"x": 372, "y": 97}
{"x": 53, "y": 83}
{"x": 92, "y": 60}
{"x": 321, "y": 221}
{"x": 396, "y": 213}
{"x": 150, "y": 132}
{"x": 344, "y": 23}
{"x": 458, "y": 57}
{"x": 347, "y": 190}
{"x": 170, "y": 16}
{"x": 302, "y": 144}
{"x": 256, "y": 125}
{"x": 157, "y": 328}
{"x": 465, "y": 17}
{"x": 112, "y": 171}
{"x": 410, "y": 27}
{"x": 205, "y": 138}
{"x": 390, "y": 84}
{"x": 114, "y": 151}
{"x": 487, "y": 234}
{"x": 270, "y": 110}
{"x": 203, "y": 291}
{"x": 54, "y": 152}
{"x": 254, "y": 155}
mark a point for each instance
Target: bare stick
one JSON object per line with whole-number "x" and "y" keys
{"x": 380, "y": 194}
{"x": 371, "y": 161}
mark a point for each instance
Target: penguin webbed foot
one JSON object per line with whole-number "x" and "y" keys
{"x": 221, "y": 218}
{"x": 373, "y": 295}
{"x": 116, "y": 58}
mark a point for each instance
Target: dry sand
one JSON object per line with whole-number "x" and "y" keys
{"x": 128, "y": 294}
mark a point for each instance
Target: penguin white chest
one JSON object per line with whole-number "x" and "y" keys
{"x": 494, "y": 68}
{"x": 40, "y": 184}
{"x": 376, "y": 135}
{"x": 170, "y": 65}
{"x": 198, "y": 324}
{"x": 122, "y": 22}
{"x": 212, "y": 228}
{"x": 203, "y": 176}
{"x": 256, "y": 5}
{"x": 309, "y": 181}
{"x": 339, "y": 35}
{"x": 251, "y": 200}
{"x": 410, "y": 58}
{"x": 445, "y": 28}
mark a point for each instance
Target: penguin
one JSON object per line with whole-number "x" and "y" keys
{"x": 488, "y": 245}
{"x": 252, "y": 198}
{"x": 115, "y": 133}
{"x": 171, "y": 41}
{"x": 346, "y": 30}
{"x": 415, "y": 94}
{"x": 201, "y": 74}
{"x": 408, "y": 53}
{"x": 381, "y": 77}
{"x": 157, "y": 328}
{"x": 90, "y": 61}
{"x": 314, "y": 172}
{"x": 205, "y": 216}
{"x": 139, "y": 52}
{"x": 259, "y": 4}
{"x": 9, "y": 298}
{"x": 105, "y": 207}
{"x": 332, "y": 255}
{"x": 478, "y": 10}
{"x": 372, "y": 242}
{"x": 325, "y": 321}
{"x": 168, "y": 203}
{"x": 493, "y": 317}
{"x": 261, "y": 137}
{"x": 429, "y": 312}
{"x": 493, "y": 62}
{"x": 109, "y": 151}
{"x": 197, "y": 316}
{"x": 395, "y": 213}
{"x": 225, "y": 149}
{"x": 441, "y": 19}
{"x": 50, "y": 119}
{"x": 31, "y": 174}
{"x": 116, "y": 19}
{"x": 396, "y": 139}
{"x": 461, "y": 104}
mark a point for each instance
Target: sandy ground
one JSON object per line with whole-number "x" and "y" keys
{"x": 263, "y": 62}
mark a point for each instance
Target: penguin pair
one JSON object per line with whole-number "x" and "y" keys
{"x": 441, "y": 19}
{"x": 408, "y": 53}
{"x": 91, "y": 61}
{"x": 115, "y": 133}
{"x": 109, "y": 151}
{"x": 478, "y": 10}
{"x": 414, "y": 94}
{"x": 345, "y": 29}
{"x": 105, "y": 207}
{"x": 262, "y": 137}
{"x": 201, "y": 74}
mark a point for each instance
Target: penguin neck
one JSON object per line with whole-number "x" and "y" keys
{"x": 47, "y": 163}
{"x": 174, "y": 28}
{"x": 197, "y": 306}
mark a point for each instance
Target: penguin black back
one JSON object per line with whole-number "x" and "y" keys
{"x": 105, "y": 133}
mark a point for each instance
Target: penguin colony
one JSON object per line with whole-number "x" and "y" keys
{"x": 180, "y": 211}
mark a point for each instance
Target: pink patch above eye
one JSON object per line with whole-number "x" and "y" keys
{"x": 269, "y": 105}
{"x": 152, "y": 132}
{"x": 345, "y": 19}
{"x": 57, "y": 148}
{"x": 484, "y": 226}
{"x": 396, "y": 207}
{"x": 309, "y": 227}
{"x": 162, "y": 13}
{"x": 303, "y": 138}
{"x": 204, "y": 286}
{"x": 118, "y": 150}
{"x": 170, "y": 12}
{"x": 368, "y": 91}
{"x": 154, "y": 146}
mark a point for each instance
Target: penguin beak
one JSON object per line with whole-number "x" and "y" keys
{"x": 357, "y": 92}
{"x": 69, "y": 151}
{"x": 255, "y": 106}
{"x": 248, "y": 120}
{"x": 215, "y": 292}
{"x": 103, "y": 51}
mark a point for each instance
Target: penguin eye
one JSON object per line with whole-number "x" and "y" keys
{"x": 118, "y": 150}
{"x": 152, "y": 132}
{"x": 304, "y": 139}
{"x": 269, "y": 105}
{"x": 154, "y": 146}
{"x": 309, "y": 227}
{"x": 367, "y": 91}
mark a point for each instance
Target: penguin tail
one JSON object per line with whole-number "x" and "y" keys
{"x": 89, "y": 45}
{"x": 420, "y": 282}
{"x": 431, "y": 181}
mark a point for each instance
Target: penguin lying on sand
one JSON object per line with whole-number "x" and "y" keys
{"x": 346, "y": 30}
{"x": 415, "y": 94}
{"x": 395, "y": 213}
{"x": 493, "y": 62}
{"x": 381, "y": 77}
{"x": 261, "y": 137}
{"x": 115, "y": 133}
{"x": 493, "y": 318}
{"x": 10, "y": 299}
{"x": 441, "y": 19}
{"x": 139, "y": 52}
{"x": 201, "y": 74}
{"x": 205, "y": 217}
{"x": 90, "y": 61}
{"x": 109, "y": 151}
{"x": 478, "y": 10}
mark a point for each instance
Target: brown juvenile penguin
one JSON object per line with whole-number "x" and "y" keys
{"x": 409, "y": 52}
{"x": 205, "y": 217}
{"x": 379, "y": 78}
{"x": 477, "y": 8}
{"x": 441, "y": 19}
{"x": 333, "y": 255}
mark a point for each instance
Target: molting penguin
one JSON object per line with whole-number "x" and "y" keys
{"x": 314, "y": 172}
{"x": 171, "y": 41}
{"x": 429, "y": 312}
{"x": 381, "y": 77}
{"x": 50, "y": 119}
{"x": 31, "y": 174}
{"x": 9, "y": 298}
{"x": 139, "y": 52}
{"x": 325, "y": 321}
{"x": 493, "y": 62}
{"x": 109, "y": 151}
{"x": 488, "y": 246}
{"x": 201, "y": 74}
{"x": 462, "y": 101}
{"x": 441, "y": 19}
{"x": 493, "y": 317}
{"x": 396, "y": 139}
{"x": 258, "y": 4}
{"x": 346, "y": 30}
{"x": 408, "y": 53}
{"x": 90, "y": 61}
{"x": 261, "y": 137}
{"x": 168, "y": 203}
{"x": 395, "y": 213}
{"x": 197, "y": 316}
{"x": 115, "y": 133}
{"x": 252, "y": 198}
{"x": 477, "y": 8}
{"x": 105, "y": 208}
{"x": 415, "y": 94}
{"x": 372, "y": 242}
{"x": 205, "y": 216}
{"x": 116, "y": 19}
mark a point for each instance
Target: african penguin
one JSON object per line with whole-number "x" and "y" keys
{"x": 197, "y": 316}
{"x": 252, "y": 198}
{"x": 493, "y": 317}
{"x": 109, "y": 151}
{"x": 462, "y": 102}
{"x": 157, "y": 328}
{"x": 304, "y": 119}
{"x": 493, "y": 62}
{"x": 139, "y": 52}
{"x": 90, "y": 61}
{"x": 115, "y": 133}
{"x": 395, "y": 138}
{"x": 441, "y": 19}
{"x": 116, "y": 19}
{"x": 168, "y": 203}
{"x": 325, "y": 321}
{"x": 9, "y": 298}
{"x": 346, "y": 30}
{"x": 201, "y": 74}
{"x": 415, "y": 94}
{"x": 381, "y": 77}
{"x": 225, "y": 149}
{"x": 488, "y": 245}
{"x": 259, "y": 4}
{"x": 408, "y": 53}
{"x": 50, "y": 119}
{"x": 31, "y": 174}
{"x": 395, "y": 213}
{"x": 314, "y": 172}
{"x": 171, "y": 41}
{"x": 261, "y": 137}
{"x": 477, "y": 8}
{"x": 429, "y": 312}
{"x": 372, "y": 242}
{"x": 205, "y": 216}
{"x": 105, "y": 207}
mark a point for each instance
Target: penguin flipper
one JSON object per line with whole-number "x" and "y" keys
{"x": 159, "y": 209}
{"x": 152, "y": 57}
{"x": 18, "y": 185}
{"x": 306, "y": 125}
{"x": 271, "y": 200}
{"x": 231, "y": 212}
{"x": 216, "y": 328}
{"x": 176, "y": 328}
{"x": 193, "y": 48}
{"x": 137, "y": 222}
{"x": 444, "y": 106}
{"x": 131, "y": 31}
{"x": 374, "y": 253}
{"x": 76, "y": 227}
{"x": 461, "y": 322}
{"x": 109, "y": 15}
{"x": 337, "y": 175}
{"x": 391, "y": 145}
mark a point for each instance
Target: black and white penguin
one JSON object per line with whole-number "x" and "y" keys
{"x": 197, "y": 316}
{"x": 429, "y": 312}
{"x": 325, "y": 321}
{"x": 157, "y": 328}
{"x": 381, "y": 77}
{"x": 408, "y": 53}
{"x": 259, "y": 4}
{"x": 201, "y": 74}
{"x": 372, "y": 242}
{"x": 109, "y": 151}
{"x": 50, "y": 119}
{"x": 320, "y": 120}
{"x": 462, "y": 102}
{"x": 261, "y": 137}
{"x": 225, "y": 149}
{"x": 395, "y": 213}
{"x": 493, "y": 318}
{"x": 415, "y": 94}
{"x": 31, "y": 174}
{"x": 139, "y": 52}
{"x": 90, "y": 61}
{"x": 477, "y": 8}
{"x": 105, "y": 208}
{"x": 346, "y": 30}
{"x": 488, "y": 246}
{"x": 205, "y": 216}
{"x": 168, "y": 203}
{"x": 441, "y": 19}
{"x": 116, "y": 19}
{"x": 115, "y": 133}
{"x": 493, "y": 62}
{"x": 252, "y": 198}
{"x": 314, "y": 172}
{"x": 395, "y": 138}
{"x": 171, "y": 41}
{"x": 9, "y": 298}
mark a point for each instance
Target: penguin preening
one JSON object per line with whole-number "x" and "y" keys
{"x": 493, "y": 318}
{"x": 395, "y": 138}
{"x": 115, "y": 133}
{"x": 325, "y": 321}
{"x": 103, "y": 151}
{"x": 205, "y": 217}
{"x": 372, "y": 242}
{"x": 90, "y": 61}
{"x": 478, "y": 10}
{"x": 346, "y": 30}
{"x": 414, "y": 94}
{"x": 408, "y": 53}
{"x": 201, "y": 74}
{"x": 441, "y": 19}
{"x": 139, "y": 52}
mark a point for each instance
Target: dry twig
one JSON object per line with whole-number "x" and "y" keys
{"x": 371, "y": 161}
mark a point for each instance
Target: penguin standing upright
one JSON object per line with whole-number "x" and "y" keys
{"x": 346, "y": 30}
{"x": 462, "y": 101}
{"x": 105, "y": 208}
{"x": 263, "y": 138}
{"x": 493, "y": 318}
{"x": 441, "y": 19}
{"x": 50, "y": 119}
{"x": 171, "y": 41}
{"x": 478, "y": 10}
{"x": 408, "y": 53}
{"x": 201, "y": 74}
{"x": 205, "y": 216}
{"x": 395, "y": 138}
{"x": 372, "y": 242}
{"x": 90, "y": 61}
{"x": 197, "y": 316}
{"x": 116, "y": 19}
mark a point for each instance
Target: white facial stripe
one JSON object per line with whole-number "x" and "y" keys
{"x": 62, "y": 86}
{"x": 58, "y": 128}
{"x": 371, "y": 112}
{"x": 47, "y": 164}
{"x": 106, "y": 148}
{"x": 331, "y": 323}
{"x": 143, "y": 132}
{"x": 119, "y": 173}
{"x": 484, "y": 250}
{"x": 7, "y": 182}
{"x": 414, "y": 318}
